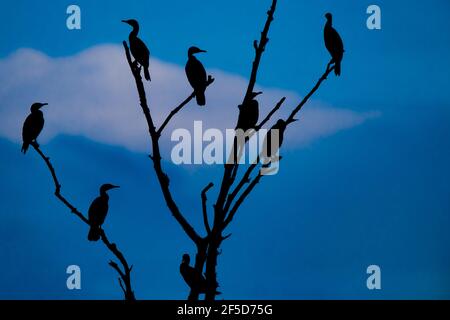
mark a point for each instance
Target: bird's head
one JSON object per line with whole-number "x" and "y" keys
{"x": 107, "y": 186}
{"x": 186, "y": 259}
{"x": 194, "y": 50}
{"x": 280, "y": 125}
{"x": 328, "y": 16}
{"x": 36, "y": 106}
{"x": 131, "y": 22}
{"x": 255, "y": 94}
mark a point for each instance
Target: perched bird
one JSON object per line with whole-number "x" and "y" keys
{"x": 333, "y": 43}
{"x": 138, "y": 48}
{"x": 196, "y": 75}
{"x": 268, "y": 151}
{"x": 33, "y": 125}
{"x": 195, "y": 280}
{"x": 248, "y": 113}
{"x": 98, "y": 211}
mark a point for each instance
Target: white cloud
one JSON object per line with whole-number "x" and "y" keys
{"x": 93, "y": 94}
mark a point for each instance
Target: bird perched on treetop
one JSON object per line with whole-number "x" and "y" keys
{"x": 33, "y": 125}
{"x": 195, "y": 280}
{"x": 248, "y": 113}
{"x": 98, "y": 211}
{"x": 196, "y": 75}
{"x": 333, "y": 43}
{"x": 138, "y": 48}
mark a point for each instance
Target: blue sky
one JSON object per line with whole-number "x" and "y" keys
{"x": 374, "y": 191}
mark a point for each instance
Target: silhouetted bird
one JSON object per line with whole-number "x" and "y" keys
{"x": 333, "y": 43}
{"x": 138, "y": 48}
{"x": 33, "y": 125}
{"x": 196, "y": 75}
{"x": 269, "y": 152}
{"x": 248, "y": 113}
{"x": 195, "y": 280}
{"x": 98, "y": 211}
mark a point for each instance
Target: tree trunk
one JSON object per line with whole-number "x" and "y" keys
{"x": 211, "y": 264}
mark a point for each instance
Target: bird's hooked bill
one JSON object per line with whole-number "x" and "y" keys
{"x": 44, "y": 104}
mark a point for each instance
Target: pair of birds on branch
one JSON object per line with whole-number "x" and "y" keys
{"x": 249, "y": 110}
{"x": 195, "y": 71}
{"x": 98, "y": 209}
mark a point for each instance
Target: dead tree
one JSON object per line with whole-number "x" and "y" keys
{"x": 124, "y": 271}
{"x": 232, "y": 192}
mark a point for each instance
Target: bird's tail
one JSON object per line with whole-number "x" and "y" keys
{"x": 147, "y": 74}
{"x": 25, "y": 146}
{"x": 337, "y": 69}
{"x": 200, "y": 97}
{"x": 94, "y": 234}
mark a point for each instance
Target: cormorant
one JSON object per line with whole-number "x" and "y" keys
{"x": 267, "y": 146}
{"x": 196, "y": 75}
{"x": 333, "y": 43}
{"x": 138, "y": 48}
{"x": 193, "y": 279}
{"x": 248, "y": 113}
{"x": 98, "y": 211}
{"x": 33, "y": 125}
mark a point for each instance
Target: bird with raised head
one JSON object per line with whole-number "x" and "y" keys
{"x": 33, "y": 125}
{"x": 138, "y": 48}
{"x": 333, "y": 43}
{"x": 98, "y": 211}
{"x": 196, "y": 74}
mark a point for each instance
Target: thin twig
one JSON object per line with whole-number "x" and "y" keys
{"x": 204, "y": 209}
{"x": 180, "y": 106}
{"x": 324, "y": 76}
{"x": 241, "y": 199}
{"x": 259, "y": 49}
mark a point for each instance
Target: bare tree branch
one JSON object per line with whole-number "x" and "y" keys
{"x": 324, "y": 76}
{"x": 204, "y": 209}
{"x": 270, "y": 114}
{"x": 126, "y": 274}
{"x": 245, "y": 178}
{"x": 241, "y": 199}
{"x": 229, "y": 171}
{"x": 259, "y": 49}
{"x": 156, "y": 157}
{"x": 180, "y": 106}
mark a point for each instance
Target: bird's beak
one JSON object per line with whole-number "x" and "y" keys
{"x": 202, "y": 50}
{"x": 125, "y": 21}
{"x": 115, "y": 187}
{"x": 43, "y": 104}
